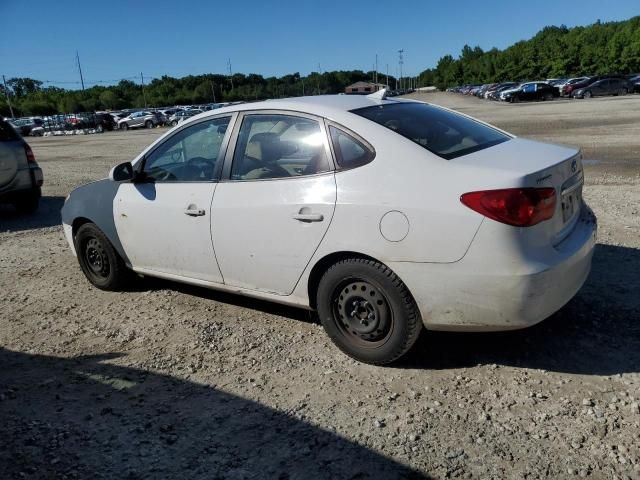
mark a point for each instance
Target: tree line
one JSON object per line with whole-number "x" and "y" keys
{"x": 554, "y": 52}
{"x": 600, "y": 48}
{"x": 30, "y": 97}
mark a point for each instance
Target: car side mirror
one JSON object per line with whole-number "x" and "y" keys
{"x": 122, "y": 172}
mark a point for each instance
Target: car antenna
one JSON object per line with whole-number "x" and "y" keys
{"x": 379, "y": 95}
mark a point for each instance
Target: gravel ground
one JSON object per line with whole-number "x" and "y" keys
{"x": 174, "y": 381}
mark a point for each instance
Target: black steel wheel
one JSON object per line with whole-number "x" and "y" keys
{"x": 98, "y": 260}
{"x": 367, "y": 311}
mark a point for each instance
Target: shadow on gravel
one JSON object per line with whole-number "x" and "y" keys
{"x": 47, "y": 215}
{"x": 596, "y": 333}
{"x": 83, "y": 418}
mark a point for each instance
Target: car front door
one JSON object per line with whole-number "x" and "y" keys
{"x": 600, "y": 88}
{"x": 275, "y": 201}
{"x": 163, "y": 219}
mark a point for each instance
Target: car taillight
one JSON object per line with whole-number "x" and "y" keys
{"x": 31, "y": 158}
{"x": 520, "y": 207}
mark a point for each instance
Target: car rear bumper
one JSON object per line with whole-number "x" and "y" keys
{"x": 463, "y": 296}
{"x": 25, "y": 180}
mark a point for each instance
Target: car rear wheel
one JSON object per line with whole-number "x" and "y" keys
{"x": 125, "y": 126}
{"x": 547, "y": 97}
{"x": 515, "y": 99}
{"x": 587, "y": 94}
{"x": 622, "y": 91}
{"x": 174, "y": 123}
{"x": 367, "y": 311}
{"x": 99, "y": 128}
{"x": 148, "y": 124}
{"x": 98, "y": 260}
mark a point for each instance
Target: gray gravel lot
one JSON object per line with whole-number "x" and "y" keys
{"x": 171, "y": 381}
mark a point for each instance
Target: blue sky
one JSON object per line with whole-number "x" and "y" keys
{"x": 119, "y": 39}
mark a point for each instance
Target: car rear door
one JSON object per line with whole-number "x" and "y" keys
{"x": 164, "y": 219}
{"x": 12, "y": 154}
{"x": 275, "y": 202}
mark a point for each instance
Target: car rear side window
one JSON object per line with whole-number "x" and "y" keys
{"x": 445, "y": 133}
{"x": 350, "y": 152}
{"x": 7, "y": 133}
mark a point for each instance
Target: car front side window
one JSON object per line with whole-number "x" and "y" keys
{"x": 190, "y": 155}
{"x": 278, "y": 146}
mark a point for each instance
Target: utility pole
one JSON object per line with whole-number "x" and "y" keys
{"x": 400, "y": 62}
{"x": 302, "y": 86}
{"x": 387, "y": 77}
{"x": 230, "y": 73}
{"x": 80, "y": 69}
{"x": 319, "y": 74}
{"x": 144, "y": 95}
{"x": 6, "y": 92}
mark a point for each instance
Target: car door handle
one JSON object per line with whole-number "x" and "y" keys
{"x": 308, "y": 217}
{"x": 194, "y": 211}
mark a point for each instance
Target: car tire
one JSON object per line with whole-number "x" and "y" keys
{"x": 515, "y": 99}
{"x": 99, "y": 128}
{"x": 622, "y": 91}
{"x": 367, "y": 311}
{"x": 587, "y": 94}
{"x": 148, "y": 124}
{"x": 124, "y": 126}
{"x": 99, "y": 261}
{"x": 547, "y": 97}
{"x": 28, "y": 203}
{"x": 174, "y": 123}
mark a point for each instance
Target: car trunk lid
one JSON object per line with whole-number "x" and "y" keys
{"x": 527, "y": 163}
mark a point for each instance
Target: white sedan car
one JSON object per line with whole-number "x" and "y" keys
{"x": 384, "y": 215}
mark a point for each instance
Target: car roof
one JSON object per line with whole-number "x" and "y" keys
{"x": 322, "y": 105}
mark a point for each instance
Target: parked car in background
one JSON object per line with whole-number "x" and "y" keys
{"x": 494, "y": 93}
{"x": 28, "y": 126}
{"x": 142, "y": 119}
{"x": 571, "y": 81}
{"x": 20, "y": 175}
{"x": 603, "y": 87}
{"x": 99, "y": 121}
{"x": 634, "y": 83}
{"x": 385, "y": 216}
{"x": 572, "y": 87}
{"x": 181, "y": 116}
{"x": 529, "y": 91}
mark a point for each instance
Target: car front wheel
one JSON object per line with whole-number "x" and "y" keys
{"x": 148, "y": 124}
{"x": 367, "y": 311}
{"x": 98, "y": 260}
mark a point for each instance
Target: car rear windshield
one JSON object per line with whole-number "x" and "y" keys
{"x": 440, "y": 131}
{"x": 7, "y": 133}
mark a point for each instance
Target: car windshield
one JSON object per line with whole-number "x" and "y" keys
{"x": 445, "y": 133}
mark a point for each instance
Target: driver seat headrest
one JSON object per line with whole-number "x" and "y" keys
{"x": 264, "y": 147}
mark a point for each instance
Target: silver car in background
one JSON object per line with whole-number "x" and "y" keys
{"x": 20, "y": 175}
{"x": 140, "y": 119}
